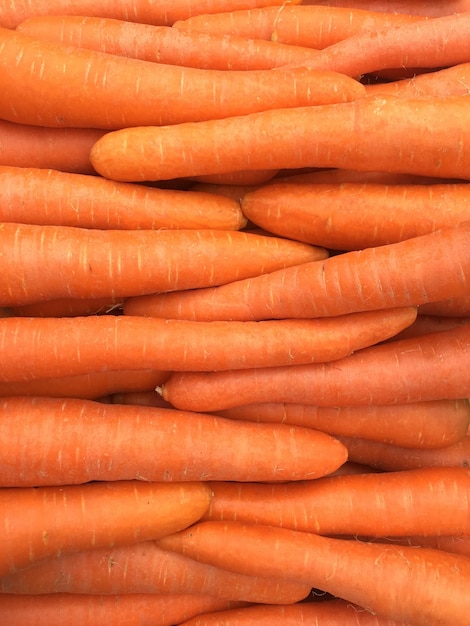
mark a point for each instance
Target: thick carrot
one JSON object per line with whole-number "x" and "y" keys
{"x": 47, "y": 196}
{"x": 117, "y": 92}
{"x": 411, "y": 7}
{"x": 422, "y": 585}
{"x": 164, "y": 44}
{"x": 351, "y": 216}
{"x": 428, "y": 367}
{"x": 432, "y": 424}
{"x": 150, "y": 609}
{"x": 379, "y": 504}
{"x": 426, "y": 268}
{"x": 116, "y": 442}
{"x": 46, "y": 262}
{"x": 108, "y": 342}
{"x": 145, "y": 568}
{"x": 64, "y": 149}
{"x": 421, "y": 136}
{"x": 40, "y": 522}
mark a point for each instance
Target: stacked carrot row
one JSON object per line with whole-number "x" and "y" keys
{"x": 235, "y": 313}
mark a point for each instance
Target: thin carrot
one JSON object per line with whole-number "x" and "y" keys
{"x": 117, "y": 92}
{"x": 40, "y": 522}
{"x": 387, "y": 134}
{"x": 46, "y": 262}
{"x": 426, "y": 501}
{"x": 399, "y": 582}
{"x": 411, "y": 7}
{"x": 432, "y": 424}
{"x": 116, "y": 442}
{"x": 426, "y": 268}
{"x": 93, "y": 610}
{"x": 351, "y": 216}
{"x": 428, "y": 367}
{"x": 143, "y": 567}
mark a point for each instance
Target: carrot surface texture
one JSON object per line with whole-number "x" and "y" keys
{"x": 405, "y": 273}
{"x": 399, "y": 582}
{"x": 428, "y": 367}
{"x": 411, "y": 7}
{"x": 69, "y": 518}
{"x": 421, "y": 136}
{"x": 117, "y": 92}
{"x": 116, "y": 442}
{"x": 45, "y": 262}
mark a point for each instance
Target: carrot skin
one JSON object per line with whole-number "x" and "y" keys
{"x": 415, "y": 7}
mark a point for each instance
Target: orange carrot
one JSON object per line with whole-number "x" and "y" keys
{"x": 415, "y": 585}
{"x": 428, "y": 367}
{"x": 413, "y": 7}
{"x": 71, "y": 518}
{"x": 93, "y": 610}
{"x": 426, "y": 268}
{"x": 432, "y": 424}
{"x": 164, "y": 44}
{"x": 108, "y": 342}
{"x": 351, "y": 216}
{"x": 145, "y": 568}
{"x": 47, "y": 196}
{"x": 116, "y": 442}
{"x": 117, "y": 92}
{"x": 379, "y": 504}
{"x": 69, "y": 262}
{"x": 64, "y": 149}
{"x": 386, "y": 134}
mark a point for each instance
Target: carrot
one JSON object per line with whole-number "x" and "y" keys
{"x": 388, "y": 504}
{"x": 429, "y": 367}
{"x": 108, "y": 342}
{"x": 311, "y": 26}
{"x": 424, "y": 324}
{"x": 71, "y": 262}
{"x": 351, "y": 216}
{"x": 340, "y": 176}
{"x": 70, "y": 307}
{"x": 409, "y": 272}
{"x": 64, "y": 149}
{"x": 413, "y": 7}
{"x": 456, "y": 545}
{"x": 387, "y": 134}
{"x": 116, "y": 442}
{"x": 450, "y": 307}
{"x": 145, "y": 568}
{"x": 40, "y": 522}
{"x": 431, "y": 424}
{"x": 93, "y": 610}
{"x": 397, "y": 582}
{"x": 388, "y": 457}
{"x": 164, "y": 44}
{"x": 116, "y": 92}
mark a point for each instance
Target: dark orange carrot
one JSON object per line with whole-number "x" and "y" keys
{"x": 93, "y": 610}
{"x": 143, "y": 567}
{"x": 410, "y": 7}
{"x": 109, "y": 342}
{"x": 47, "y": 196}
{"x": 116, "y": 442}
{"x": 428, "y": 367}
{"x": 46, "y": 521}
{"x": 399, "y": 582}
{"x": 410, "y": 272}
{"x": 432, "y": 424}
{"x": 117, "y": 92}
{"x": 387, "y": 134}
{"x": 46, "y": 262}
{"x": 373, "y": 505}
{"x": 351, "y": 216}
{"x": 451, "y": 307}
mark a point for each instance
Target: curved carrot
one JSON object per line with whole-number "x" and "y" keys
{"x": 386, "y": 134}
{"x": 432, "y": 586}
{"x": 428, "y": 367}
{"x": 116, "y": 442}
{"x": 117, "y": 92}
{"x": 46, "y": 262}
{"x": 378, "y": 504}
{"x": 143, "y": 567}
{"x": 69, "y": 518}
{"x": 414, "y": 271}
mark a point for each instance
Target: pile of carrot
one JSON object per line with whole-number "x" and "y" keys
{"x": 235, "y": 312}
